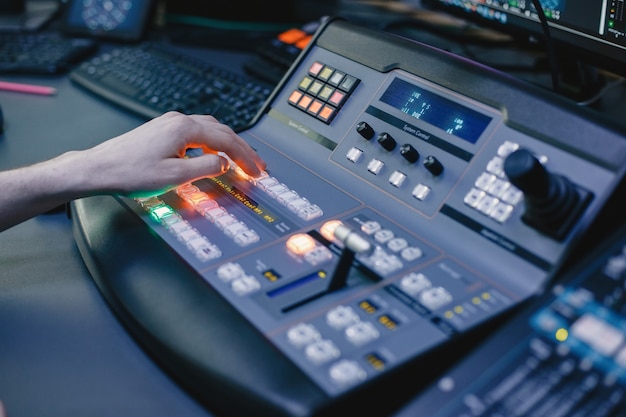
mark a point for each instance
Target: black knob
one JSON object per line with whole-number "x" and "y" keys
{"x": 552, "y": 201}
{"x": 409, "y": 153}
{"x": 386, "y": 141}
{"x": 365, "y": 130}
{"x": 433, "y": 165}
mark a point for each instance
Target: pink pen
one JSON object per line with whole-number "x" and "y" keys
{"x": 27, "y": 88}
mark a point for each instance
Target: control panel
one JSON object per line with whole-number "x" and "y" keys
{"x": 410, "y": 198}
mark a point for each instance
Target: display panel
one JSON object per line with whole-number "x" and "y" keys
{"x": 593, "y": 30}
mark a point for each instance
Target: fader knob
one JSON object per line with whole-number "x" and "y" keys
{"x": 409, "y": 153}
{"x": 433, "y": 165}
{"x": 387, "y": 141}
{"x": 365, "y": 130}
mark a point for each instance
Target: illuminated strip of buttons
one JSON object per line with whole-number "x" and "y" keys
{"x": 175, "y": 224}
{"x": 228, "y": 223}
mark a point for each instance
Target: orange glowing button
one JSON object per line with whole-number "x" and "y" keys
{"x": 304, "y": 102}
{"x": 302, "y": 43}
{"x": 328, "y": 229}
{"x": 294, "y": 97}
{"x": 326, "y": 114}
{"x": 300, "y": 244}
{"x": 291, "y": 36}
{"x": 315, "y": 107}
{"x": 196, "y": 198}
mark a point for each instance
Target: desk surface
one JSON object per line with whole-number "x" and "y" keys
{"x": 63, "y": 352}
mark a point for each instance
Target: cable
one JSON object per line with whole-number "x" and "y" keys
{"x": 554, "y": 65}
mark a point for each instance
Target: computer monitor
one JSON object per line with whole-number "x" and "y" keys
{"x": 589, "y": 31}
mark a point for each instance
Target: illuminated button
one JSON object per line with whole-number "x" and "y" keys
{"x": 230, "y": 271}
{"x": 305, "y": 83}
{"x": 336, "y": 78}
{"x": 315, "y": 68}
{"x": 325, "y": 93}
{"x": 397, "y": 178}
{"x": 341, "y": 317}
{"x": 326, "y": 73}
{"x": 375, "y": 166}
{"x": 295, "y": 97}
{"x": 597, "y": 333}
{"x": 361, "y": 333}
{"x": 397, "y": 244}
{"x": 186, "y": 189}
{"x": 300, "y": 243}
{"x": 354, "y": 155}
{"x": 315, "y": 107}
{"x": 245, "y": 285}
{"x": 414, "y": 283}
{"x": 322, "y": 351}
{"x": 303, "y": 334}
{"x": 222, "y": 221}
{"x": 411, "y": 253}
{"x": 315, "y": 88}
{"x": 383, "y": 235}
{"x": 310, "y": 212}
{"x": 327, "y": 114}
{"x": 421, "y": 191}
{"x": 318, "y": 255}
{"x": 246, "y": 237}
{"x": 234, "y": 229}
{"x": 337, "y": 98}
{"x": 206, "y": 205}
{"x": 195, "y": 198}
{"x": 160, "y": 211}
{"x": 347, "y": 372}
{"x": 169, "y": 221}
{"x": 434, "y": 298}
{"x": 328, "y": 229}
{"x": 349, "y": 83}
{"x": 370, "y": 227}
{"x": 304, "y": 102}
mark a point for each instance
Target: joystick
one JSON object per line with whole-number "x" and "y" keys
{"x": 552, "y": 201}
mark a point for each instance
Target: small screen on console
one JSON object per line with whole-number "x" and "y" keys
{"x": 440, "y": 112}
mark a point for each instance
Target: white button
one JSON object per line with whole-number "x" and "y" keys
{"x": 245, "y": 285}
{"x": 397, "y": 244}
{"x": 276, "y": 190}
{"x": 310, "y": 212}
{"x": 496, "y": 166}
{"x": 397, "y": 179}
{"x": 229, "y": 271}
{"x": 318, "y": 255}
{"x": 370, "y": 227}
{"x": 506, "y": 148}
{"x": 341, "y": 317}
{"x": 303, "y": 334}
{"x": 501, "y": 212}
{"x": 223, "y": 221}
{"x": 434, "y": 298}
{"x": 233, "y": 229}
{"x": 266, "y": 182}
{"x": 347, "y": 372}
{"x": 246, "y": 237}
{"x": 209, "y": 252}
{"x": 383, "y": 236}
{"x": 286, "y": 197}
{"x": 321, "y": 351}
{"x": 473, "y": 197}
{"x": 354, "y": 155}
{"x": 375, "y": 166}
{"x": 484, "y": 181}
{"x": 421, "y": 191}
{"x": 362, "y": 333}
{"x": 414, "y": 283}
{"x": 411, "y": 253}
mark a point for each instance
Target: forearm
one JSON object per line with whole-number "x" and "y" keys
{"x": 35, "y": 189}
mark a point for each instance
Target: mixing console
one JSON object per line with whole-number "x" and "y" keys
{"x": 411, "y": 198}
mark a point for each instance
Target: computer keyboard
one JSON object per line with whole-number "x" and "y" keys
{"x": 42, "y": 52}
{"x": 153, "y": 78}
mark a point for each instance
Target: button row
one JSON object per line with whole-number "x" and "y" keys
{"x": 295, "y": 203}
{"x": 162, "y": 213}
{"x": 492, "y": 193}
{"x": 228, "y": 223}
{"x": 323, "y": 91}
{"x": 417, "y": 285}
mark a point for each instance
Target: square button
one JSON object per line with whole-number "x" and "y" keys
{"x": 349, "y": 83}
{"x": 315, "y": 107}
{"x": 326, "y": 73}
{"x": 304, "y": 102}
{"x": 316, "y": 68}
{"x": 305, "y": 83}
{"x": 337, "y": 98}
{"x": 326, "y": 114}
{"x": 315, "y": 88}
{"x": 336, "y": 78}
{"x": 325, "y": 93}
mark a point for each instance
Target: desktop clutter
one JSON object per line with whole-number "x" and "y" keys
{"x": 437, "y": 233}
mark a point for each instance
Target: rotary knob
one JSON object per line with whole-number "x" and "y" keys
{"x": 409, "y": 153}
{"x": 433, "y": 165}
{"x": 365, "y": 130}
{"x": 387, "y": 141}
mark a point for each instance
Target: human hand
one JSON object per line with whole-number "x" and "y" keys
{"x": 151, "y": 157}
